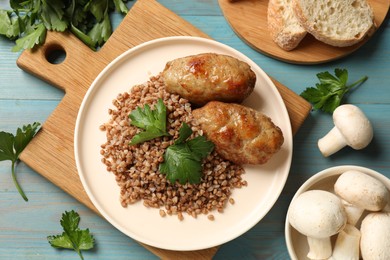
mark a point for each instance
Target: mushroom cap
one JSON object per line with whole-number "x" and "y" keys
{"x": 317, "y": 214}
{"x": 362, "y": 190}
{"x": 375, "y": 236}
{"x": 353, "y": 125}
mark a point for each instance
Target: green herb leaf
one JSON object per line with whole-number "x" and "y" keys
{"x": 101, "y": 31}
{"x": 72, "y": 237}
{"x": 12, "y": 145}
{"x": 60, "y": 241}
{"x": 7, "y": 147}
{"x": 89, "y": 20}
{"x": 9, "y": 27}
{"x": 120, "y": 6}
{"x": 183, "y": 160}
{"x": 70, "y": 221}
{"x": 152, "y": 121}
{"x": 52, "y": 14}
{"x": 83, "y": 37}
{"x": 37, "y": 36}
{"x": 98, "y": 8}
{"x": 184, "y": 132}
{"x": 329, "y": 93}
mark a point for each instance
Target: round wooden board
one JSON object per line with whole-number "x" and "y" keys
{"x": 248, "y": 18}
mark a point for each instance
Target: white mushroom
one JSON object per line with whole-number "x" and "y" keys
{"x": 387, "y": 208}
{"x": 375, "y": 236}
{"x": 347, "y": 244}
{"x": 318, "y": 215}
{"x": 351, "y": 128}
{"x": 362, "y": 192}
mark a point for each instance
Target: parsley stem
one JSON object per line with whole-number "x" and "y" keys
{"x": 347, "y": 88}
{"x": 16, "y": 182}
{"x": 358, "y": 82}
{"x": 79, "y": 253}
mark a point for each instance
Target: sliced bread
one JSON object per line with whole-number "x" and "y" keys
{"x": 336, "y": 22}
{"x": 283, "y": 25}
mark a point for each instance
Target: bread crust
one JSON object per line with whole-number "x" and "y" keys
{"x": 280, "y": 28}
{"x": 321, "y": 35}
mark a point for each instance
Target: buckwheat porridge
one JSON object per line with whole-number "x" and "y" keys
{"x": 136, "y": 167}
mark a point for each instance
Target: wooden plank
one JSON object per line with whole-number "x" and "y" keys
{"x": 249, "y": 19}
{"x": 51, "y": 152}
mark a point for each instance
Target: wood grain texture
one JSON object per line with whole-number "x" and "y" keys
{"x": 51, "y": 152}
{"x": 248, "y": 18}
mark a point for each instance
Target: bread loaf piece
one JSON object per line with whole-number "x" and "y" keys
{"x": 283, "y": 25}
{"x": 336, "y": 22}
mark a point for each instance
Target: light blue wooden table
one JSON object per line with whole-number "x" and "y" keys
{"x": 25, "y": 99}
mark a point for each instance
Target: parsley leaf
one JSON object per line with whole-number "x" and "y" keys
{"x": 120, "y": 6}
{"x": 12, "y": 145}
{"x": 36, "y": 36}
{"x": 9, "y": 26}
{"x": 98, "y": 8}
{"x": 101, "y": 31}
{"x": 329, "y": 93}
{"x": 154, "y": 122}
{"x": 183, "y": 160}
{"x": 52, "y": 14}
{"x": 72, "y": 237}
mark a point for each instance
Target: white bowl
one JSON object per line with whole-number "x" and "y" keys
{"x": 324, "y": 180}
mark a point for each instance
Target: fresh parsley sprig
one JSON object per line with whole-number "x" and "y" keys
{"x": 154, "y": 122}
{"x": 12, "y": 145}
{"x": 183, "y": 159}
{"x": 329, "y": 93}
{"x": 28, "y": 21}
{"x": 72, "y": 237}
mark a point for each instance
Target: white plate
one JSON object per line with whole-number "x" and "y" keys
{"x": 265, "y": 182}
{"x": 324, "y": 180}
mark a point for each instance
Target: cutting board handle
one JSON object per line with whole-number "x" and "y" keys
{"x": 78, "y": 57}
{"x": 84, "y": 64}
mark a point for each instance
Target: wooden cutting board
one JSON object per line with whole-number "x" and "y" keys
{"x": 248, "y": 18}
{"x": 51, "y": 152}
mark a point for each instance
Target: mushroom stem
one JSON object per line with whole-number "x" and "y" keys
{"x": 353, "y": 213}
{"x": 319, "y": 248}
{"x": 331, "y": 142}
{"x": 347, "y": 244}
